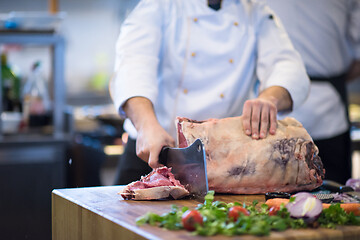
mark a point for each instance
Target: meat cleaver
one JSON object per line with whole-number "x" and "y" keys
{"x": 337, "y": 187}
{"x": 188, "y": 166}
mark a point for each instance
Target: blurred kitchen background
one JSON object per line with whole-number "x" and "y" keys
{"x": 59, "y": 128}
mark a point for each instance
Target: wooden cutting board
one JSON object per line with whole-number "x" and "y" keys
{"x": 99, "y": 213}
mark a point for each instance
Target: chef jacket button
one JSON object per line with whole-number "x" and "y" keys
{"x": 193, "y": 54}
{"x": 236, "y": 23}
{"x": 222, "y": 95}
{"x": 185, "y": 91}
{"x": 231, "y": 60}
{"x": 195, "y": 19}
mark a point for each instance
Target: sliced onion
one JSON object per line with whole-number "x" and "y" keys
{"x": 354, "y": 183}
{"x": 305, "y": 206}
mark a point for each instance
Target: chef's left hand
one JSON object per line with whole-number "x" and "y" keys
{"x": 259, "y": 117}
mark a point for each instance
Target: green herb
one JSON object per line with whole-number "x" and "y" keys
{"x": 209, "y": 197}
{"x": 335, "y": 215}
{"x": 216, "y": 220}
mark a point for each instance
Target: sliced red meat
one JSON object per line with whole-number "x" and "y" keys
{"x": 160, "y": 183}
{"x": 287, "y": 161}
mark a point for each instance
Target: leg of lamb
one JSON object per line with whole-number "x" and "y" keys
{"x": 287, "y": 161}
{"x": 158, "y": 184}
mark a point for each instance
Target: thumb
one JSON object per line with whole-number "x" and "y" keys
{"x": 154, "y": 160}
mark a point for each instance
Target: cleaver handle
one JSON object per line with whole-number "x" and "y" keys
{"x": 163, "y": 155}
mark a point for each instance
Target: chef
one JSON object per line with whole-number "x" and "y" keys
{"x": 200, "y": 59}
{"x": 327, "y": 35}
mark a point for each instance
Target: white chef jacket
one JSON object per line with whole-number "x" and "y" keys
{"x": 327, "y": 35}
{"x": 194, "y": 62}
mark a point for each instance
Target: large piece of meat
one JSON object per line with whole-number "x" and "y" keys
{"x": 287, "y": 161}
{"x": 158, "y": 184}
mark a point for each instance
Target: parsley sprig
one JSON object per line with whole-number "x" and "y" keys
{"x": 335, "y": 215}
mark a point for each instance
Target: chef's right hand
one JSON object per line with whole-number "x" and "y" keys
{"x": 151, "y": 136}
{"x": 151, "y": 139}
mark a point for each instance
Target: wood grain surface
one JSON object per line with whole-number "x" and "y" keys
{"x": 100, "y": 213}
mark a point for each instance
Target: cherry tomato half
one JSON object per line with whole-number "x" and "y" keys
{"x": 273, "y": 210}
{"x": 190, "y": 218}
{"x": 235, "y": 211}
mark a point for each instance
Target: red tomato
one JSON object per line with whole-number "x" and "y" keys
{"x": 235, "y": 211}
{"x": 190, "y": 218}
{"x": 273, "y": 210}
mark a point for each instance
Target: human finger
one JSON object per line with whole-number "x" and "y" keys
{"x": 273, "y": 120}
{"x": 154, "y": 159}
{"x": 141, "y": 152}
{"x": 255, "y": 119}
{"x": 246, "y": 118}
{"x": 264, "y": 124}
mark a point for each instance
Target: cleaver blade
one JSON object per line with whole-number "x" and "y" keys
{"x": 188, "y": 166}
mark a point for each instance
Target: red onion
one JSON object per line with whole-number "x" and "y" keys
{"x": 305, "y": 206}
{"x": 354, "y": 183}
{"x": 343, "y": 198}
